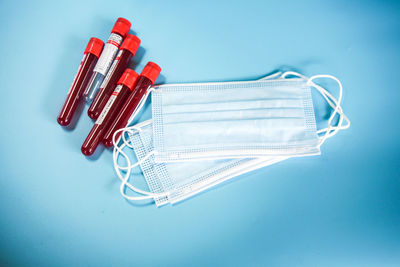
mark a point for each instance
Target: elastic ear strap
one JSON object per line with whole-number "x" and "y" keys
{"x": 123, "y": 131}
{"x": 287, "y": 73}
{"x": 139, "y": 108}
{"x": 128, "y": 130}
{"x": 126, "y": 143}
{"x": 124, "y": 179}
{"x": 334, "y": 104}
{"x": 118, "y": 150}
{"x": 134, "y": 165}
{"x": 137, "y": 128}
{"x": 271, "y": 76}
{"x": 124, "y": 182}
{"x": 147, "y": 195}
{"x": 333, "y": 129}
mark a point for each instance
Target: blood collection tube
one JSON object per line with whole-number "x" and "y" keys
{"x": 114, "y": 103}
{"x": 90, "y": 56}
{"x": 118, "y": 33}
{"x": 144, "y": 82}
{"x": 127, "y": 51}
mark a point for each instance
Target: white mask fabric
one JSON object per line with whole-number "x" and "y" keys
{"x": 184, "y": 179}
{"x": 174, "y": 181}
{"x": 245, "y": 119}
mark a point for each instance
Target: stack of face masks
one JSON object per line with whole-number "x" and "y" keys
{"x": 202, "y": 134}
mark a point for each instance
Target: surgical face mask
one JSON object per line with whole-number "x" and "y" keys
{"x": 246, "y": 119}
{"x": 172, "y": 182}
{"x": 180, "y": 180}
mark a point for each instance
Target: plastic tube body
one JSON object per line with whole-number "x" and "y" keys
{"x": 103, "y": 65}
{"x": 142, "y": 85}
{"x": 116, "y": 100}
{"x": 75, "y": 93}
{"x": 107, "y": 86}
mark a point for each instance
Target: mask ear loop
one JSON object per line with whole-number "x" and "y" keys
{"x": 333, "y": 129}
{"x": 287, "y": 73}
{"x": 128, "y": 129}
{"x": 134, "y": 114}
{"x": 124, "y": 179}
{"x": 126, "y": 143}
{"x": 141, "y": 104}
{"x": 123, "y": 138}
{"x": 127, "y": 175}
{"x": 118, "y": 150}
{"x": 271, "y": 76}
{"x": 333, "y": 103}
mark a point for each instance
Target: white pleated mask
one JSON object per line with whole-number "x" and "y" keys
{"x": 246, "y": 119}
{"x": 175, "y": 181}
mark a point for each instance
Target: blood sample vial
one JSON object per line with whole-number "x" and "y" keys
{"x": 114, "y": 103}
{"x": 85, "y": 70}
{"x": 127, "y": 51}
{"x": 144, "y": 82}
{"x": 118, "y": 33}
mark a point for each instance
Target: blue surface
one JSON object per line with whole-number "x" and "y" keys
{"x": 338, "y": 209}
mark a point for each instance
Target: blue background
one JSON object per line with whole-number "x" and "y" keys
{"x": 338, "y": 209}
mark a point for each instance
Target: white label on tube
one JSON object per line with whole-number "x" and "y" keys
{"x": 109, "y": 104}
{"x": 108, "y": 54}
{"x": 111, "y": 71}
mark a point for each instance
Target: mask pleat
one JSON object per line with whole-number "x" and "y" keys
{"x": 234, "y": 106}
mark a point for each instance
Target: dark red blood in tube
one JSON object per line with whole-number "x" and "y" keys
{"x": 126, "y": 52}
{"x": 144, "y": 82}
{"x": 114, "y": 103}
{"x": 91, "y": 54}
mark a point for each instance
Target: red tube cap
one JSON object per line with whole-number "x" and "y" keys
{"x": 131, "y": 43}
{"x": 121, "y": 27}
{"x": 128, "y": 78}
{"x": 95, "y": 46}
{"x": 151, "y": 71}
